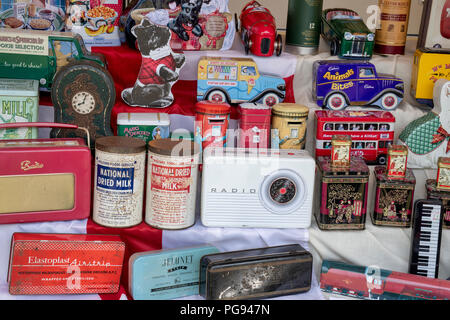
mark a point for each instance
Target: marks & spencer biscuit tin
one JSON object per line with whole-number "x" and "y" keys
{"x": 143, "y": 125}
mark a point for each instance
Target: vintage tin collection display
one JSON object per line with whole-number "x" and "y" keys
{"x": 172, "y": 172}
{"x": 145, "y": 126}
{"x": 394, "y": 195}
{"x": 289, "y": 126}
{"x": 119, "y": 181}
{"x": 65, "y": 263}
{"x": 19, "y": 102}
{"x": 256, "y": 273}
{"x": 166, "y": 274}
{"x": 254, "y": 126}
{"x": 342, "y": 189}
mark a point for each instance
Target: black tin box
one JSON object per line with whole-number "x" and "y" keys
{"x": 256, "y": 273}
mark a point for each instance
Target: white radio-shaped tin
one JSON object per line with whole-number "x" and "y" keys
{"x": 257, "y": 188}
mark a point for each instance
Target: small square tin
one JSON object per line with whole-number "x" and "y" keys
{"x": 444, "y": 196}
{"x": 340, "y": 150}
{"x": 144, "y": 125}
{"x": 50, "y": 264}
{"x": 343, "y": 194}
{"x": 394, "y": 198}
{"x": 19, "y": 102}
{"x": 443, "y": 175}
{"x": 256, "y": 273}
{"x": 397, "y": 162}
{"x": 166, "y": 274}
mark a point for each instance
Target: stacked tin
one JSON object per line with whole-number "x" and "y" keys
{"x": 439, "y": 188}
{"x": 395, "y": 185}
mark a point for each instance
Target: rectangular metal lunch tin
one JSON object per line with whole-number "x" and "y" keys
{"x": 145, "y": 126}
{"x": 256, "y": 273}
{"x": 166, "y": 274}
{"x": 65, "y": 263}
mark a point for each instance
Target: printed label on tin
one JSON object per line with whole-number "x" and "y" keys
{"x": 119, "y": 179}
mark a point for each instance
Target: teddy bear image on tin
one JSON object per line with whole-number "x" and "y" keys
{"x": 428, "y": 137}
{"x": 159, "y": 68}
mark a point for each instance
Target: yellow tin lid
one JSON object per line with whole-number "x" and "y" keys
{"x": 397, "y": 150}
{"x": 444, "y": 162}
{"x": 290, "y": 110}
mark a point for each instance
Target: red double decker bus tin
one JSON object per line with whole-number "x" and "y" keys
{"x": 51, "y": 264}
{"x": 254, "y": 125}
{"x": 372, "y": 132}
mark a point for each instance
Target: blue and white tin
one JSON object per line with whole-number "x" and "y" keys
{"x": 166, "y": 274}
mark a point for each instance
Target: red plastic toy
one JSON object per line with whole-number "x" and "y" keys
{"x": 258, "y": 30}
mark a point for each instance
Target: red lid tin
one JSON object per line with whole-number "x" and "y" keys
{"x": 212, "y": 108}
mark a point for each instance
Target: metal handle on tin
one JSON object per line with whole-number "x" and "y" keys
{"x": 46, "y": 125}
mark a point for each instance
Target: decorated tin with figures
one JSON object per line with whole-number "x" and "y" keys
{"x": 439, "y": 188}
{"x": 343, "y": 187}
{"x": 395, "y": 184}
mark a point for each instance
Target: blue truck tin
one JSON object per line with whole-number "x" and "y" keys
{"x": 338, "y": 84}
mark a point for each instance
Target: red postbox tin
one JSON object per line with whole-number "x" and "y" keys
{"x": 65, "y": 263}
{"x": 44, "y": 179}
{"x": 211, "y": 124}
{"x": 254, "y": 125}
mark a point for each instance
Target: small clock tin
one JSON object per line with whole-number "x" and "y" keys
{"x": 342, "y": 200}
{"x": 394, "y": 198}
{"x": 143, "y": 125}
{"x": 444, "y": 196}
{"x": 443, "y": 176}
{"x": 166, "y": 274}
{"x": 340, "y": 150}
{"x": 19, "y": 102}
{"x": 397, "y": 162}
{"x": 256, "y": 273}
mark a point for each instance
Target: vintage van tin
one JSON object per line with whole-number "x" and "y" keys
{"x": 443, "y": 175}
{"x": 289, "y": 126}
{"x": 119, "y": 181}
{"x": 254, "y": 126}
{"x": 171, "y": 183}
{"x": 211, "y": 124}
{"x": 256, "y": 273}
{"x": 397, "y": 162}
{"x": 143, "y": 125}
{"x": 19, "y": 102}
{"x": 393, "y": 198}
{"x": 166, "y": 274}
{"x": 65, "y": 263}
{"x": 342, "y": 194}
{"x": 444, "y": 196}
{"x": 340, "y": 150}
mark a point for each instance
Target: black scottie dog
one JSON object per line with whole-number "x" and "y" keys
{"x": 187, "y": 19}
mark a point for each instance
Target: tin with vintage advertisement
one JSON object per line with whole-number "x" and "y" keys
{"x": 44, "y": 179}
{"x": 340, "y": 150}
{"x": 444, "y": 196}
{"x": 289, "y": 126}
{"x": 49, "y": 264}
{"x": 397, "y": 162}
{"x": 172, "y": 173}
{"x": 119, "y": 181}
{"x": 19, "y": 102}
{"x": 256, "y": 273}
{"x": 443, "y": 174}
{"x": 144, "y": 125}
{"x": 254, "y": 126}
{"x": 166, "y": 274}
{"x": 342, "y": 194}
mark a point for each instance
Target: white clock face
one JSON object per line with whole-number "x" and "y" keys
{"x": 83, "y": 102}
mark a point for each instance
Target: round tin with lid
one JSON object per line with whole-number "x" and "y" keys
{"x": 211, "y": 123}
{"x": 119, "y": 181}
{"x": 289, "y": 126}
{"x": 171, "y": 183}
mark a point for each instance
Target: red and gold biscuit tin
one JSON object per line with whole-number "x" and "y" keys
{"x": 443, "y": 175}
{"x": 340, "y": 150}
{"x": 397, "y": 162}
{"x": 65, "y": 264}
{"x": 211, "y": 124}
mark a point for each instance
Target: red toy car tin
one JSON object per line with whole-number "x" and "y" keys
{"x": 65, "y": 264}
{"x": 44, "y": 179}
{"x": 254, "y": 126}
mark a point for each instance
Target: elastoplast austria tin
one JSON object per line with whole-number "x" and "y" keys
{"x": 119, "y": 181}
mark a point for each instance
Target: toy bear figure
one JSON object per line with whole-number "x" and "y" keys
{"x": 428, "y": 137}
{"x": 159, "y": 69}
{"x": 187, "y": 20}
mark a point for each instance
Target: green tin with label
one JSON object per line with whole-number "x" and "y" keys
{"x": 19, "y": 102}
{"x": 145, "y": 126}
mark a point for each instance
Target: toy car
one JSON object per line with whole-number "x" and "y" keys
{"x": 347, "y": 34}
{"x": 237, "y": 80}
{"x": 339, "y": 83}
{"x": 258, "y": 31}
